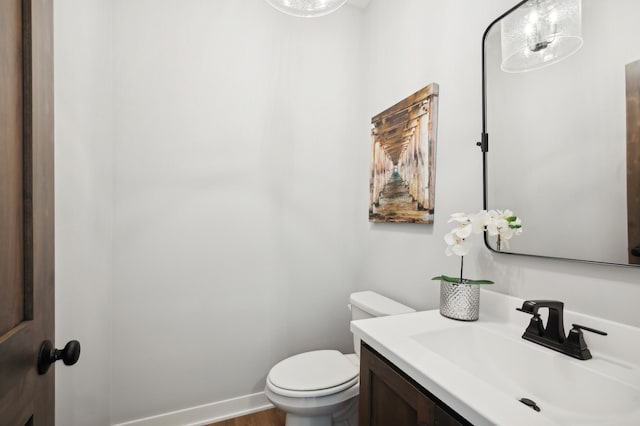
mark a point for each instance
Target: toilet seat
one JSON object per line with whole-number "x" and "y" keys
{"x": 313, "y": 374}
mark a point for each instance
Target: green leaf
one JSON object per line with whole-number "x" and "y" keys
{"x": 447, "y": 279}
{"x": 515, "y": 226}
{"x": 511, "y": 218}
{"x": 457, "y": 280}
{"x": 480, "y": 282}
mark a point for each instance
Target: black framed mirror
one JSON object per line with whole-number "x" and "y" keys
{"x": 561, "y": 128}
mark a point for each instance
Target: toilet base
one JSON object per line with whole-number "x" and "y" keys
{"x": 346, "y": 416}
{"x": 295, "y": 420}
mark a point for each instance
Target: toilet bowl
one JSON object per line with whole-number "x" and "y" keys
{"x": 316, "y": 388}
{"x": 320, "y": 388}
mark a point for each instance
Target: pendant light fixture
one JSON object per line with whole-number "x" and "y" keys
{"x": 540, "y": 33}
{"x": 307, "y": 8}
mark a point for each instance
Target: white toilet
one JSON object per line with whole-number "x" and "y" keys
{"x": 320, "y": 388}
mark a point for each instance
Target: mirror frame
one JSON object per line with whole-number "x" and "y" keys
{"x": 484, "y": 147}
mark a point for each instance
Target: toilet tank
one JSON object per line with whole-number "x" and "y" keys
{"x": 369, "y": 304}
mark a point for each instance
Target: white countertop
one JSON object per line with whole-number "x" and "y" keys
{"x": 410, "y": 342}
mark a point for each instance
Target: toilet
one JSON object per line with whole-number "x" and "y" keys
{"x": 320, "y": 388}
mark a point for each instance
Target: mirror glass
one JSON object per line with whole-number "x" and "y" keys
{"x": 564, "y": 138}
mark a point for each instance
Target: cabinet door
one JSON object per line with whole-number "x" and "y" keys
{"x": 387, "y": 398}
{"x": 445, "y": 419}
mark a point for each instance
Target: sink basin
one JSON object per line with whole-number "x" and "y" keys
{"x": 482, "y": 369}
{"x": 565, "y": 390}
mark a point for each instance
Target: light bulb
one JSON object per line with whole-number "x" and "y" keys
{"x": 539, "y": 33}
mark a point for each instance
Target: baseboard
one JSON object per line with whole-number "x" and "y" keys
{"x": 208, "y": 413}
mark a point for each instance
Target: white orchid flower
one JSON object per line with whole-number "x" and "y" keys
{"x": 456, "y": 245}
{"x": 501, "y": 214}
{"x": 495, "y": 214}
{"x": 507, "y": 233}
{"x": 479, "y": 221}
{"x": 505, "y": 225}
{"x": 502, "y": 223}
{"x": 495, "y": 224}
{"x": 463, "y": 231}
{"x": 516, "y": 225}
{"x": 464, "y": 228}
{"x": 459, "y": 217}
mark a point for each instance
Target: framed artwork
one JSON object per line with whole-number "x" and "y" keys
{"x": 632, "y": 80}
{"x": 403, "y": 163}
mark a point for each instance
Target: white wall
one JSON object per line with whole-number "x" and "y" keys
{"x": 240, "y": 162}
{"x": 83, "y": 82}
{"x": 412, "y": 43}
{"x": 235, "y": 198}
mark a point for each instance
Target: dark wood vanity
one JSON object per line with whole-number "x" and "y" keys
{"x": 389, "y": 397}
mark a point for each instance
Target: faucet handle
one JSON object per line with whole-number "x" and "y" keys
{"x": 593, "y": 330}
{"x": 535, "y": 325}
{"x": 535, "y": 314}
{"x": 576, "y": 340}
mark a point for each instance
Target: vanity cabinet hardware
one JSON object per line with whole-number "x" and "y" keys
{"x": 390, "y": 397}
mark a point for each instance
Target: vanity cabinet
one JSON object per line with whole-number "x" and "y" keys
{"x": 389, "y": 397}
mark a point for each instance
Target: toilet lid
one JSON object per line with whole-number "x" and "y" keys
{"x": 314, "y": 370}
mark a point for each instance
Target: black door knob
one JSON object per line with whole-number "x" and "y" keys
{"x": 636, "y": 251}
{"x": 48, "y": 354}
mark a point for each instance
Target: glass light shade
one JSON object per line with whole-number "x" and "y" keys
{"x": 540, "y": 33}
{"x": 307, "y": 8}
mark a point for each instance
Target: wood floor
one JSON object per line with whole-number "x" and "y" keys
{"x": 272, "y": 417}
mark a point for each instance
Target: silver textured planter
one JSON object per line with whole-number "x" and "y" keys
{"x": 459, "y": 301}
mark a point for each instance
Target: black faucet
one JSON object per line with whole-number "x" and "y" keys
{"x": 552, "y": 336}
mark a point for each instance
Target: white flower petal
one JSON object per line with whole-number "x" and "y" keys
{"x": 459, "y": 217}
{"x": 450, "y": 238}
{"x": 462, "y": 248}
{"x": 479, "y": 221}
{"x": 463, "y": 231}
{"x": 506, "y": 233}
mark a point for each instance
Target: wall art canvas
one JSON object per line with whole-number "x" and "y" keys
{"x": 403, "y": 164}
{"x": 632, "y": 81}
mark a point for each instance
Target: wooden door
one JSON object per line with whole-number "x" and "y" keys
{"x": 633, "y": 160}
{"x": 26, "y": 210}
